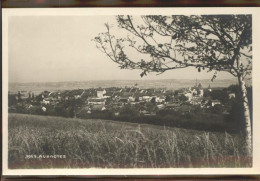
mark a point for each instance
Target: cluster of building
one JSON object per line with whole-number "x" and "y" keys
{"x": 114, "y": 98}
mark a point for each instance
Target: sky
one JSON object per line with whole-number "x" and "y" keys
{"x": 54, "y": 49}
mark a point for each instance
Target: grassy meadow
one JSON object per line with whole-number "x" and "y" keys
{"x": 111, "y": 144}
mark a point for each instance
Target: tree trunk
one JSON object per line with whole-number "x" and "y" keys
{"x": 246, "y": 113}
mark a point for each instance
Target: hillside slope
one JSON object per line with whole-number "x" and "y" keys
{"x": 78, "y": 143}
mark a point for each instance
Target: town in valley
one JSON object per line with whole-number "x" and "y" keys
{"x": 124, "y": 103}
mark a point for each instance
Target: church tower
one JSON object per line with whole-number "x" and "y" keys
{"x": 209, "y": 88}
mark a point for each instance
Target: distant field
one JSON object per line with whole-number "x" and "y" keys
{"x": 110, "y": 144}
{"x": 173, "y": 84}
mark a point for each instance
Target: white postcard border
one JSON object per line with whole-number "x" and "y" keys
{"x": 133, "y": 11}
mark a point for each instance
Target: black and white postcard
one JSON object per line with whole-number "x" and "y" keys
{"x": 131, "y": 91}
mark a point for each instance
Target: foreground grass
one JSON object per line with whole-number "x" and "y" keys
{"x": 109, "y": 144}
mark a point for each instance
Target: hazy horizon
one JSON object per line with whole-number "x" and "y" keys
{"x": 171, "y": 84}
{"x": 201, "y": 79}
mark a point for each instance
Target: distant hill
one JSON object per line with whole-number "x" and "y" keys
{"x": 165, "y": 83}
